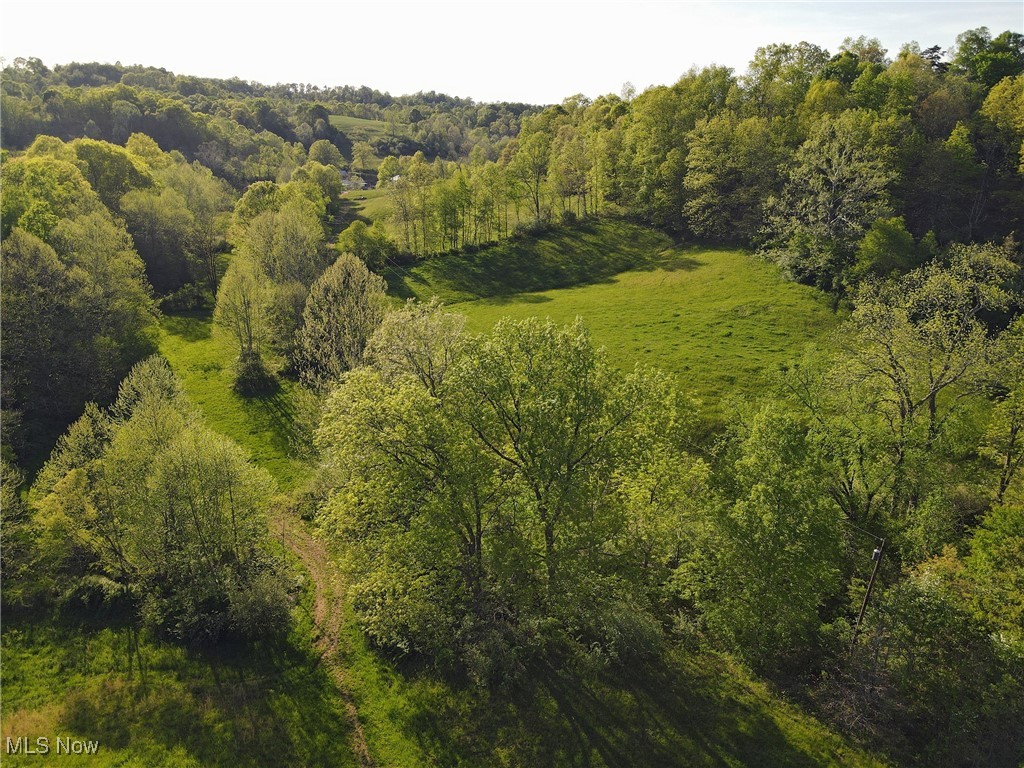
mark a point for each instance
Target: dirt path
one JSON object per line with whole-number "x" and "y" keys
{"x": 326, "y": 616}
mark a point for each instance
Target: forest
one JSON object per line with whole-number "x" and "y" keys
{"x": 673, "y": 427}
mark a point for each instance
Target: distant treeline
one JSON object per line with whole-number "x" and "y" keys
{"x": 834, "y": 166}
{"x": 243, "y": 131}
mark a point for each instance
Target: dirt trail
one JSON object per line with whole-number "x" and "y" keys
{"x": 326, "y": 616}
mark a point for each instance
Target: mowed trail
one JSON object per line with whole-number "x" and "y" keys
{"x": 202, "y": 358}
{"x": 327, "y": 612}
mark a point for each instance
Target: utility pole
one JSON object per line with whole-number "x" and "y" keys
{"x": 877, "y": 557}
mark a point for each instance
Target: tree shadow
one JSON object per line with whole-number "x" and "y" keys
{"x": 192, "y": 326}
{"x": 347, "y": 213}
{"x": 278, "y": 413}
{"x": 268, "y": 703}
{"x": 587, "y": 253}
{"x": 666, "y": 713}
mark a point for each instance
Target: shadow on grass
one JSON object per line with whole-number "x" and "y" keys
{"x": 671, "y": 260}
{"x": 193, "y": 326}
{"x": 347, "y": 213}
{"x": 587, "y": 253}
{"x": 278, "y": 413}
{"x": 520, "y": 298}
{"x": 679, "y": 713}
{"x": 238, "y": 705}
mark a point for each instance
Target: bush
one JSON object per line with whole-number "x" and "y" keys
{"x": 187, "y": 298}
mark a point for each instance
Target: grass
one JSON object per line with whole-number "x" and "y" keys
{"x": 367, "y": 204}
{"x": 160, "y": 705}
{"x": 362, "y": 129}
{"x": 683, "y": 709}
{"x": 721, "y": 321}
{"x": 202, "y": 356}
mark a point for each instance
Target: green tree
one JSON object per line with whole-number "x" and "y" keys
{"x": 733, "y": 167}
{"x": 324, "y": 152}
{"x": 886, "y": 410}
{"x": 1003, "y": 442}
{"x": 208, "y": 200}
{"x": 779, "y": 76}
{"x": 287, "y": 243}
{"x": 74, "y": 321}
{"x": 530, "y": 166}
{"x": 836, "y": 188}
{"x": 110, "y": 170}
{"x": 161, "y": 225}
{"x": 772, "y": 557}
{"x": 17, "y": 535}
{"x": 483, "y": 494}
{"x": 986, "y": 59}
{"x": 887, "y": 248}
{"x": 39, "y": 190}
{"x": 146, "y": 497}
{"x": 345, "y": 306}
{"x": 421, "y": 340}
{"x": 242, "y": 309}
{"x": 370, "y": 244}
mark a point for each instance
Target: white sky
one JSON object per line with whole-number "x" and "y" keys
{"x": 532, "y": 51}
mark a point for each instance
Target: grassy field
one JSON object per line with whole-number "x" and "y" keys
{"x": 368, "y": 204}
{"x": 361, "y": 129}
{"x": 719, "y": 320}
{"x": 202, "y": 356}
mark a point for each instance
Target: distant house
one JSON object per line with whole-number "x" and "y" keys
{"x": 352, "y": 180}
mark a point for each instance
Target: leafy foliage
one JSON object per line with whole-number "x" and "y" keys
{"x": 146, "y": 496}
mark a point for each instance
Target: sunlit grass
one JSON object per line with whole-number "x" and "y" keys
{"x": 720, "y": 321}
{"x": 202, "y": 356}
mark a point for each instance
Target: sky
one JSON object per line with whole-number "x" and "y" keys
{"x": 530, "y": 51}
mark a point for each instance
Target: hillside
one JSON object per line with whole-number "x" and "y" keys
{"x": 720, "y": 320}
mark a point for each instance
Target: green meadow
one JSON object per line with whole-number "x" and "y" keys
{"x": 361, "y": 129}
{"x": 719, "y": 320}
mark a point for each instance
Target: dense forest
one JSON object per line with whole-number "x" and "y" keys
{"x": 847, "y": 529}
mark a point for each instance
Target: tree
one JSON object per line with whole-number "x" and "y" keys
{"x": 39, "y": 190}
{"x": 1003, "y": 442}
{"x": 208, "y": 200}
{"x": 986, "y": 59}
{"x": 161, "y": 226}
{"x": 110, "y": 170}
{"x": 885, "y": 411}
{"x": 887, "y": 248}
{"x": 73, "y": 322}
{"x": 733, "y": 167}
{"x": 242, "y": 307}
{"x": 324, "y": 152}
{"x": 287, "y": 243}
{"x": 363, "y": 156}
{"x": 345, "y": 306}
{"x": 530, "y": 166}
{"x": 772, "y": 557}
{"x": 17, "y": 535}
{"x": 146, "y": 497}
{"x": 488, "y": 519}
{"x": 836, "y": 188}
{"x": 370, "y": 244}
{"x": 779, "y": 75}
{"x": 1004, "y": 106}
{"x": 420, "y": 339}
